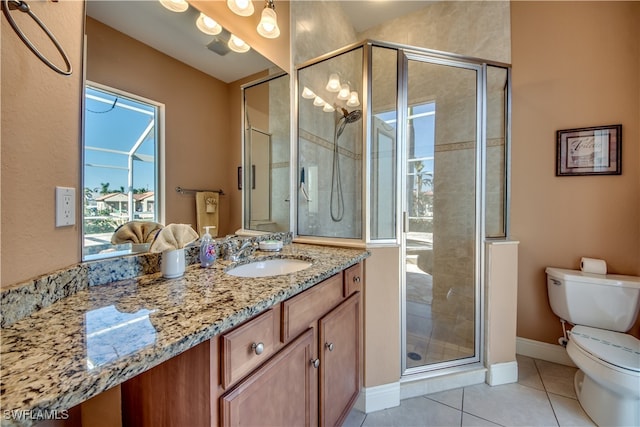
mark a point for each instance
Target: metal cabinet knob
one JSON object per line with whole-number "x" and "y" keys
{"x": 356, "y": 279}
{"x": 257, "y": 348}
{"x": 329, "y": 346}
{"x": 315, "y": 363}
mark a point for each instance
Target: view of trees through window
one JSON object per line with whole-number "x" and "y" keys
{"x": 420, "y": 165}
{"x": 120, "y": 165}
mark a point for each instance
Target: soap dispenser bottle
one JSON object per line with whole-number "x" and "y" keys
{"x": 207, "y": 249}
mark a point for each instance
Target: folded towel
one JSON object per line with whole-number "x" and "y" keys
{"x": 173, "y": 236}
{"x": 136, "y": 232}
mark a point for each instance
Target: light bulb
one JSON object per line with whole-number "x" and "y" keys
{"x": 328, "y": 108}
{"x": 208, "y": 25}
{"x": 344, "y": 93}
{"x": 236, "y": 44}
{"x": 353, "y": 99}
{"x": 318, "y": 102}
{"x": 308, "y": 93}
{"x": 333, "y": 85}
{"x": 268, "y": 26}
{"x": 175, "y": 5}
{"x": 241, "y": 7}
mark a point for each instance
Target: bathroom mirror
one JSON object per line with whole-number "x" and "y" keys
{"x": 124, "y": 42}
{"x": 266, "y": 154}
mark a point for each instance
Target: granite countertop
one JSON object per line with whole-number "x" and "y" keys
{"x": 102, "y": 336}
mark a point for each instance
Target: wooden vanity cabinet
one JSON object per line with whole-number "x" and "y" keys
{"x": 306, "y": 371}
{"x": 279, "y": 393}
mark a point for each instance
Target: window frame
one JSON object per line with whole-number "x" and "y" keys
{"x": 159, "y": 191}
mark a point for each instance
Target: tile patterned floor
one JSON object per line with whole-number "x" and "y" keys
{"x": 543, "y": 396}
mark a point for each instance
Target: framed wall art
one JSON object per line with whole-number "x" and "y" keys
{"x": 589, "y": 151}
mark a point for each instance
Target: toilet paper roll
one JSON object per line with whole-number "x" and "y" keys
{"x": 593, "y": 265}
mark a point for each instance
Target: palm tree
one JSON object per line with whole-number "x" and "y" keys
{"x": 104, "y": 188}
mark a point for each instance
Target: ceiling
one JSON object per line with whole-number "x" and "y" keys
{"x": 176, "y": 35}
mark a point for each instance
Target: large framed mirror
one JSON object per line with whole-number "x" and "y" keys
{"x": 139, "y": 50}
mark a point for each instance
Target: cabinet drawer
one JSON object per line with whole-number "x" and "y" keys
{"x": 302, "y": 310}
{"x": 248, "y": 346}
{"x": 353, "y": 279}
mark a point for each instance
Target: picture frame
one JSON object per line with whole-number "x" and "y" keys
{"x": 589, "y": 151}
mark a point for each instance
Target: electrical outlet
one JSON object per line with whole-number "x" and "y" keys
{"x": 65, "y": 206}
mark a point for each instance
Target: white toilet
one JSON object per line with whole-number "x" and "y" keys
{"x": 602, "y": 308}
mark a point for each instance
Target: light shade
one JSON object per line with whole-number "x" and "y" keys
{"x": 308, "y": 93}
{"x": 353, "y": 99}
{"x": 318, "y": 102}
{"x": 241, "y": 7}
{"x": 268, "y": 26}
{"x": 328, "y": 108}
{"x": 344, "y": 93}
{"x": 333, "y": 85}
{"x": 208, "y": 25}
{"x": 175, "y": 5}
{"x": 236, "y": 44}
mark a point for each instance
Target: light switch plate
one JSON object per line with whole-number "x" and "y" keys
{"x": 65, "y": 206}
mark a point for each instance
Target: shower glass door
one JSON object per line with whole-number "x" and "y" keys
{"x": 440, "y": 239}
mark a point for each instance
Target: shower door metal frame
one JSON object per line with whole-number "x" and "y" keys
{"x": 406, "y": 55}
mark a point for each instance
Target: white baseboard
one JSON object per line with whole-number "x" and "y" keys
{"x": 377, "y": 398}
{"x": 544, "y": 351}
{"x": 502, "y": 373}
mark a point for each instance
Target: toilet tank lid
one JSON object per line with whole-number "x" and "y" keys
{"x": 600, "y": 279}
{"x": 616, "y": 348}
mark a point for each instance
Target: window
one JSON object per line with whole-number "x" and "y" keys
{"x": 120, "y": 171}
{"x": 420, "y": 161}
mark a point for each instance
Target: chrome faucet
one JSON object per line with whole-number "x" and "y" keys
{"x": 232, "y": 254}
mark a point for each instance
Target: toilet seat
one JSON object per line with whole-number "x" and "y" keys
{"x": 620, "y": 350}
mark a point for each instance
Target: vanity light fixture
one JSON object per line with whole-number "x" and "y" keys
{"x": 353, "y": 99}
{"x": 318, "y": 102}
{"x": 333, "y": 85}
{"x": 344, "y": 92}
{"x": 308, "y": 93}
{"x": 268, "y": 26}
{"x": 175, "y": 5}
{"x": 241, "y": 7}
{"x": 208, "y": 25}
{"x": 236, "y": 44}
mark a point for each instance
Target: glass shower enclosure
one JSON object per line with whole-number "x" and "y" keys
{"x": 402, "y": 146}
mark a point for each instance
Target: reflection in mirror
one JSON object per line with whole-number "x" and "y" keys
{"x": 140, "y": 49}
{"x": 266, "y": 154}
{"x": 120, "y": 152}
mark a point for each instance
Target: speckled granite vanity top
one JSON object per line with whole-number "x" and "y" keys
{"x": 102, "y": 336}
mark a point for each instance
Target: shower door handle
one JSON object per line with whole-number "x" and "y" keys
{"x": 405, "y": 222}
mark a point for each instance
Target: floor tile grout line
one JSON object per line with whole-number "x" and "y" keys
{"x": 546, "y": 392}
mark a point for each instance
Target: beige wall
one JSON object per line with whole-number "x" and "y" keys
{"x": 40, "y": 142}
{"x": 196, "y": 115}
{"x": 575, "y": 64}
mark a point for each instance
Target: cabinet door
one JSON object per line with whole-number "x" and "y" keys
{"x": 282, "y": 392}
{"x": 339, "y": 346}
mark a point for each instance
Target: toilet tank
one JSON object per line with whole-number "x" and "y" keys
{"x": 608, "y": 301}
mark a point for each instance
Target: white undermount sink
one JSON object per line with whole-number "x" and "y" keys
{"x": 269, "y": 267}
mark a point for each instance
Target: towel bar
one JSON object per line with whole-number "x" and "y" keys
{"x": 186, "y": 190}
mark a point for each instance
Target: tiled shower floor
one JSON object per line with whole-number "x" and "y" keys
{"x": 543, "y": 396}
